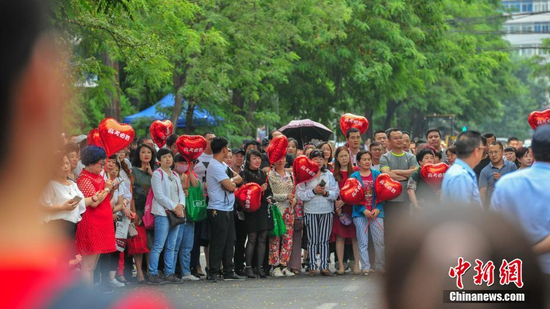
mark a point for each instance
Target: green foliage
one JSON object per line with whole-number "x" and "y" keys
{"x": 258, "y": 63}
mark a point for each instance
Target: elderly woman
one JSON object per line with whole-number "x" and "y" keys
{"x": 95, "y": 234}
{"x": 169, "y": 196}
{"x": 318, "y": 195}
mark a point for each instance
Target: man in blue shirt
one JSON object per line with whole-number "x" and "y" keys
{"x": 524, "y": 197}
{"x": 460, "y": 184}
{"x": 493, "y": 171}
{"x": 221, "y": 198}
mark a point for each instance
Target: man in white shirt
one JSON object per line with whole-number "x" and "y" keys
{"x": 221, "y": 218}
{"x": 353, "y": 141}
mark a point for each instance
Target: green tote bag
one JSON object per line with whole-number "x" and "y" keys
{"x": 195, "y": 204}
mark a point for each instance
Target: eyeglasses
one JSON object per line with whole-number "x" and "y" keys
{"x": 376, "y": 149}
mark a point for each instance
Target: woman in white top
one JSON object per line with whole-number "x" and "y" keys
{"x": 318, "y": 195}
{"x": 62, "y": 202}
{"x": 121, "y": 207}
{"x": 169, "y": 196}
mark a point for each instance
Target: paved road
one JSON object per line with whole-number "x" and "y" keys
{"x": 347, "y": 291}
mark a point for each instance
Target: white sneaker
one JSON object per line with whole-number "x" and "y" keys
{"x": 189, "y": 278}
{"x": 288, "y": 273}
{"x": 277, "y": 272}
{"x": 117, "y": 284}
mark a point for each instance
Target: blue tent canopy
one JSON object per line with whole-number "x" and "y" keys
{"x": 200, "y": 117}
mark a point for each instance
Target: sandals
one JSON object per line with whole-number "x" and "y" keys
{"x": 312, "y": 273}
{"x": 326, "y": 272}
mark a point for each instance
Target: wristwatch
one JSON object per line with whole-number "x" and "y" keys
{"x": 94, "y": 199}
{"x": 325, "y": 194}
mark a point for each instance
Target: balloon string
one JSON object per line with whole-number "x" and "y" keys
{"x": 188, "y": 172}
{"x": 375, "y": 220}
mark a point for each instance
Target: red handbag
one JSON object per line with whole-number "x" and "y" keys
{"x": 138, "y": 243}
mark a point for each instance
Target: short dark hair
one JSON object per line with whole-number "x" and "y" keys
{"x": 251, "y": 142}
{"x": 433, "y": 130}
{"x": 92, "y": 154}
{"x": 499, "y": 144}
{"x": 316, "y": 153}
{"x": 489, "y": 135}
{"x": 375, "y": 144}
{"x": 419, "y": 143}
{"x": 510, "y": 149}
{"x": 378, "y": 132}
{"x": 352, "y": 130}
{"x": 423, "y": 152}
{"x": 141, "y": 140}
{"x": 540, "y": 144}
{"x": 512, "y": 139}
{"x": 390, "y": 131}
{"x": 405, "y": 132}
{"x": 218, "y": 144}
{"x": 466, "y": 143}
{"x": 163, "y": 152}
{"x": 484, "y": 140}
{"x": 361, "y": 153}
{"x": 171, "y": 140}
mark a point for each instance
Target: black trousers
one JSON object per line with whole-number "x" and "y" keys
{"x": 222, "y": 241}
{"x": 241, "y": 235}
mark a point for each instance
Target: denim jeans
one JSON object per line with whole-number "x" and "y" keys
{"x": 165, "y": 238}
{"x": 376, "y": 228}
{"x": 184, "y": 245}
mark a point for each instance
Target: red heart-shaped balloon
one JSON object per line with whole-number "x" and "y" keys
{"x": 433, "y": 174}
{"x": 348, "y": 121}
{"x": 352, "y": 192}
{"x": 304, "y": 169}
{"x": 191, "y": 146}
{"x": 94, "y": 139}
{"x": 160, "y": 130}
{"x": 386, "y": 188}
{"x": 538, "y": 118}
{"x": 115, "y": 135}
{"x": 277, "y": 149}
{"x": 249, "y": 197}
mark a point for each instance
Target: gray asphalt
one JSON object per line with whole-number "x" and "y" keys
{"x": 302, "y": 291}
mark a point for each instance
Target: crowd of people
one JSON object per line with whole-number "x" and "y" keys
{"x": 100, "y": 203}
{"x": 92, "y": 196}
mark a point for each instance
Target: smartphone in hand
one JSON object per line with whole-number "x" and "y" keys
{"x": 76, "y": 199}
{"x": 322, "y": 183}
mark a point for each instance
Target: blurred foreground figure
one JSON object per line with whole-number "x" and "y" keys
{"x": 426, "y": 248}
{"x": 31, "y": 96}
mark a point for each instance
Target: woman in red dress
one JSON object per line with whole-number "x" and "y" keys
{"x": 95, "y": 234}
{"x": 342, "y": 170}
